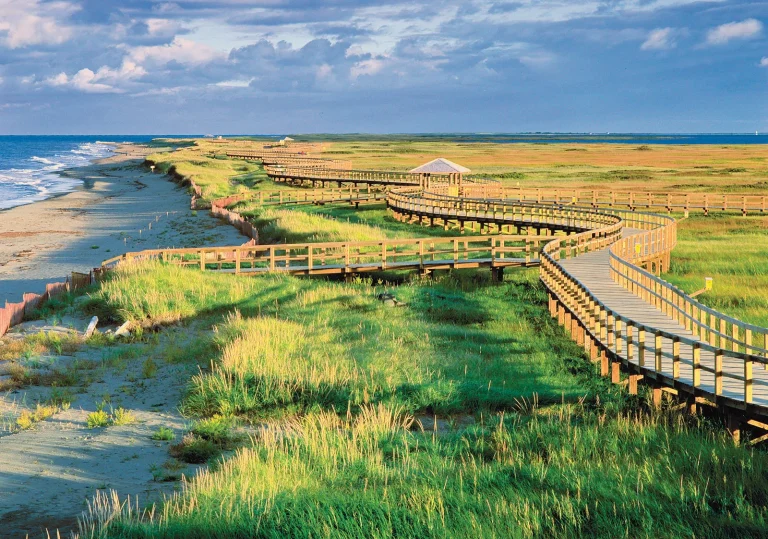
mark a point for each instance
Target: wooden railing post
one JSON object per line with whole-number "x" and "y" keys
{"x": 718, "y": 372}
{"x": 696, "y": 355}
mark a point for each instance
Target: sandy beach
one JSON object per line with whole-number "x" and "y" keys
{"x": 120, "y": 207}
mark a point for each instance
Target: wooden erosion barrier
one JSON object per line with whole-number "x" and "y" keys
{"x": 13, "y": 314}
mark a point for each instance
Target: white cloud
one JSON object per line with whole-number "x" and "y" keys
{"x": 84, "y": 80}
{"x": 764, "y": 61}
{"x": 29, "y": 22}
{"x": 734, "y": 30}
{"x": 366, "y": 67}
{"x": 234, "y": 83}
{"x": 105, "y": 80}
{"x": 659, "y": 39}
{"x": 324, "y": 71}
{"x": 183, "y": 51}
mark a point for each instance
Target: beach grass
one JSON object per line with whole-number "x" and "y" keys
{"x": 464, "y": 412}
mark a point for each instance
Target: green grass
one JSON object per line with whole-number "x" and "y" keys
{"x": 529, "y": 442}
{"x": 163, "y": 434}
{"x": 458, "y": 346}
{"x": 731, "y": 249}
{"x": 573, "y": 473}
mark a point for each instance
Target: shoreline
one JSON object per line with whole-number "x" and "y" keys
{"x": 119, "y": 207}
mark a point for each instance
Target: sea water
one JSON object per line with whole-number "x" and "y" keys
{"x": 30, "y": 165}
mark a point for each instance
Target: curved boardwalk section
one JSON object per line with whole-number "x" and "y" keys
{"x": 599, "y": 258}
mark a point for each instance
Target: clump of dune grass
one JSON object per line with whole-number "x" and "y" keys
{"x": 114, "y": 418}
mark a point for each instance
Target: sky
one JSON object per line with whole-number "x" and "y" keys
{"x": 382, "y": 66}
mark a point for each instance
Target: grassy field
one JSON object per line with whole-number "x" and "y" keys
{"x": 206, "y": 164}
{"x": 466, "y": 411}
{"x": 733, "y": 250}
{"x": 618, "y": 166}
{"x": 728, "y": 248}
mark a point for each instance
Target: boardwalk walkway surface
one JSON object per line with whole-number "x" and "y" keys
{"x": 593, "y": 271}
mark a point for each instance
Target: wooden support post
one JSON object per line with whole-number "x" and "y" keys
{"x": 615, "y": 372}
{"x": 603, "y": 363}
{"x": 733, "y": 424}
{"x": 656, "y": 397}
{"x": 718, "y": 372}
{"x": 633, "y": 378}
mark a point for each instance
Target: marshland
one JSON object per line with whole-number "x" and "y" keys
{"x": 276, "y": 405}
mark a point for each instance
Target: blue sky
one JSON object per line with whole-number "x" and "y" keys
{"x": 300, "y": 66}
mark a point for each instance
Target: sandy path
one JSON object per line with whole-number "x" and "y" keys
{"x": 48, "y": 473}
{"x": 45, "y": 241}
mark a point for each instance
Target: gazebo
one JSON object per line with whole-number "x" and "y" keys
{"x": 441, "y": 167}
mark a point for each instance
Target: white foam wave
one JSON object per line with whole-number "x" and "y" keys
{"x": 39, "y": 180}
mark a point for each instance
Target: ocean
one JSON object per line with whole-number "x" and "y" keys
{"x": 29, "y": 165}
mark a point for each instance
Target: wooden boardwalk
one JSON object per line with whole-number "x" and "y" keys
{"x": 597, "y": 253}
{"x": 593, "y": 271}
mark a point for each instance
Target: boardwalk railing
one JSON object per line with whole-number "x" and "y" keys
{"x": 709, "y": 325}
{"x": 633, "y": 200}
{"x": 353, "y": 195}
{"x": 685, "y": 364}
{"x": 303, "y": 174}
{"x": 353, "y": 257}
{"x": 289, "y": 159}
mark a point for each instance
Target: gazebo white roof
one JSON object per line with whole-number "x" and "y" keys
{"x": 440, "y": 166}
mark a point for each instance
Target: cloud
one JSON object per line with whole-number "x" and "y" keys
{"x": 366, "y": 67}
{"x": 724, "y": 33}
{"x": 659, "y": 39}
{"x": 180, "y": 50}
{"x": 84, "y": 80}
{"x": 33, "y": 24}
{"x": 764, "y": 61}
{"x": 105, "y": 80}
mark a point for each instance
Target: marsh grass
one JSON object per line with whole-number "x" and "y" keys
{"x": 731, "y": 249}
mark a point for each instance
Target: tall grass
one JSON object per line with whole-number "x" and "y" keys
{"x": 458, "y": 346}
{"x": 291, "y": 226}
{"x": 572, "y": 473}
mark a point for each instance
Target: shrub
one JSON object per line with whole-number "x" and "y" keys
{"x": 194, "y": 449}
{"x": 149, "y": 368}
{"x": 42, "y": 411}
{"x": 121, "y": 416}
{"x": 117, "y": 417}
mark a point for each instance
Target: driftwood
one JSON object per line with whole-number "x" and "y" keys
{"x": 124, "y": 330}
{"x": 91, "y": 327}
